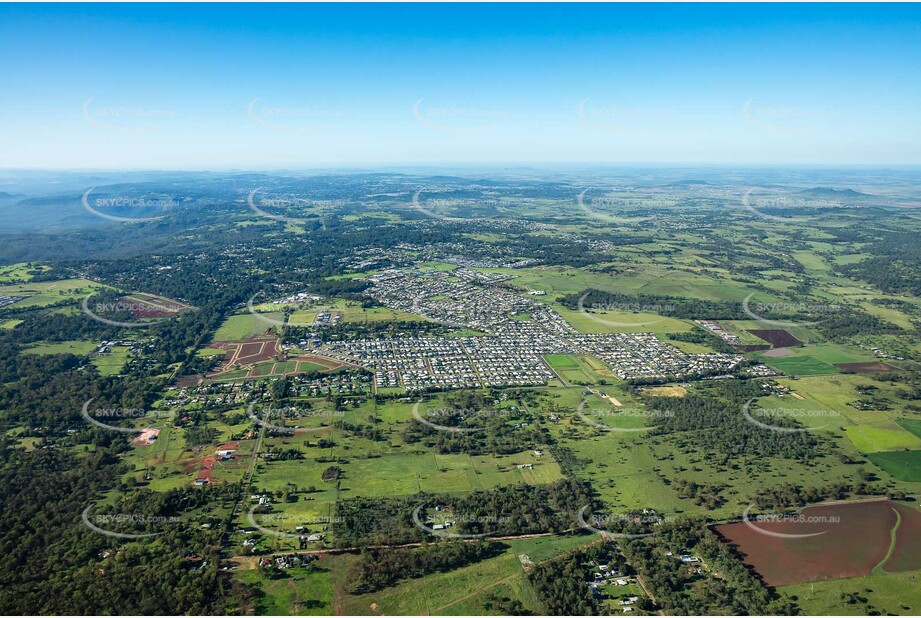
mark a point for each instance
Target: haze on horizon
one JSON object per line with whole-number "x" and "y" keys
{"x": 274, "y": 87}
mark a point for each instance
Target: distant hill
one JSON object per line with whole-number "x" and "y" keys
{"x": 10, "y": 196}
{"x": 686, "y": 183}
{"x": 829, "y": 192}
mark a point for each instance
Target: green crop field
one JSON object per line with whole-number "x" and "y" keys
{"x": 886, "y": 436}
{"x": 903, "y": 465}
{"x": 912, "y": 425}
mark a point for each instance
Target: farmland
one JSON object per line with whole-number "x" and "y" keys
{"x": 387, "y": 392}
{"x": 823, "y": 544}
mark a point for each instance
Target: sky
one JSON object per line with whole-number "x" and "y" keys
{"x": 262, "y": 87}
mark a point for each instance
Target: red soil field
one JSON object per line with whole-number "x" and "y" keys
{"x": 777, "y": 338}
{"x": 907, "y": 554}
{"x": 850, "y": 547}
{"x": 867, "y": 367}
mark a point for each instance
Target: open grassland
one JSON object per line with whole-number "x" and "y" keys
{"x": 458, "y": 592}
{"x": 113, "y": 362}
{"x": 353, "y": 312}
{"x": 304, "y": 591}
{"x": 21, "y": 271}
{"x": 44, "y": 293}
{"x": 77, "y": 348}
{"x": 406, "y": 474}
{"x": 242, "y": 326}
{"x": 887, "y": 593}
{"x": 884, "y": 436}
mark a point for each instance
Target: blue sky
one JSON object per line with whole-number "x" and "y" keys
{"x": 284, "y": 86}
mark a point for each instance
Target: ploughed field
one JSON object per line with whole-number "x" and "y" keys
{"x": 848, "y": 540}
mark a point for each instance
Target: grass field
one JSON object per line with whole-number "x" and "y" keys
{"x": 885, "y": 436}
{"x": 305, "y": 591}
{"x": 801, "y": 365}
{"x": 458, "y": 592}
{"x": 353, "y": 312}
{"x": 238, "y": 327}
{"x": 77, "y": 348}
{"x": 912, "y": 425}
{"x": 44, "y": 293}
{"x": 903, "y": 465}
{"x": 20, "y": 271}
{"x": 406, "y": 474}
{"x": 887, "y": 593}
{"x": 113, "y": 362}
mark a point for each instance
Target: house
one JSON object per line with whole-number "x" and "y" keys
{"x": 621, "y": 582}
{"x": 688, "y": 559}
